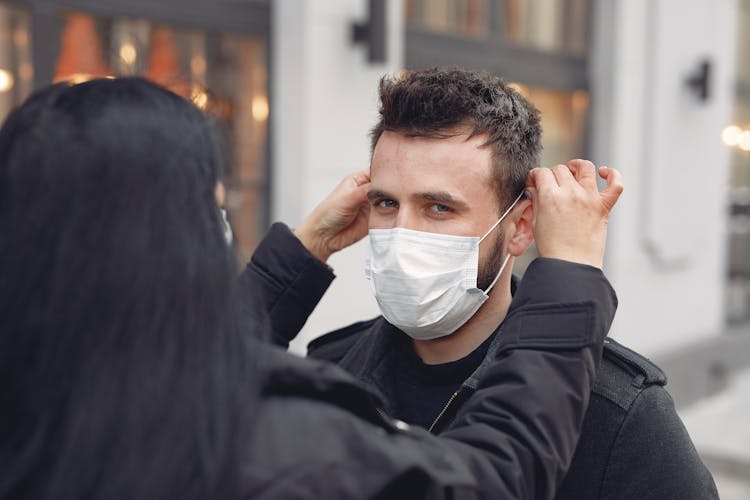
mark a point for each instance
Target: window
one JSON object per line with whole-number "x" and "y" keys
{"x": 537, "y": 44}
{"x": 466, "y": 18}
{"x": 16, "y": 68}
{"x": 737, "y": 137}
{"x": 216, "y": 57}
{"x": 547, "y": 25}
{"x": 564, "y": 116}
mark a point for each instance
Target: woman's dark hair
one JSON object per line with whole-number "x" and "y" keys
{"x": 441, "y": 103}
{"x": 121, "y": 365}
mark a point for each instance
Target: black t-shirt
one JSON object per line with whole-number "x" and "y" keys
{"x": 423, "y": 390}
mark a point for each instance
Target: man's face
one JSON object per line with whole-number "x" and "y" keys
{"x": 437, "y": 186}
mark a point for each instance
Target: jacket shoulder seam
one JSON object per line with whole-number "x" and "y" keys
{"x": 618, "y": 384}
{"x": 643, "y": 370}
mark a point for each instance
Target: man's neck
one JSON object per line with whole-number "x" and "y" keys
{"x": 463, "y": 341}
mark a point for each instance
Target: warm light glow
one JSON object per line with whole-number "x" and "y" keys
{"x": 26, "y": 71}
{"x": 743, "y": 141}
{"x": 6, "y": 81}
{"x": 260, "y": 108}
{"x": 128, "y": 53}
{"x": 21, "y": 38}
{"x": 76, "y": 78}
{"x": 198, "y": 65}
{"x": 731, "y": 134}
{"x": 199, "y": 97}
{"x": 580, "y": 100}
{"x": 519, "y": 88}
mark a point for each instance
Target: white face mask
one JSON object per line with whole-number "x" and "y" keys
{"x": 426, "y": 283}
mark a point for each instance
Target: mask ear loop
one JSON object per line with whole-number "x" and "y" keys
{"x": 497, "y": 276}
{"x": 502, "y": 217}
{"x": 507, "y": 257}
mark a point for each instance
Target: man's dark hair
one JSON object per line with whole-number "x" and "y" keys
{"x": 442, "y": 103}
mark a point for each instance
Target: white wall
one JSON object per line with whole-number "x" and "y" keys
{"x": 667, "y": 240}
{"x": 325, "y": 102}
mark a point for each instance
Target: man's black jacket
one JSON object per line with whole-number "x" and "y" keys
{"x": 505, "y": 434}
{"x": 319, "y": 434}
{"x": 633, "y": 444}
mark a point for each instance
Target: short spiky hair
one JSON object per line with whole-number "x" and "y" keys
{"x": 438, "y": 102}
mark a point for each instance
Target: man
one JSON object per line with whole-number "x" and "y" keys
{"x": 452, "y": 151}
{"x": 123, "y": 373}
{"x": 507, "y": 449}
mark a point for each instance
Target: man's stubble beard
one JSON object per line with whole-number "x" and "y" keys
{"x": 490, "y": 267}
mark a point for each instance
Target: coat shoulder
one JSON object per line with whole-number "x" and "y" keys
{"x": 624, "y": 374}
{"x": 633, "y": 444}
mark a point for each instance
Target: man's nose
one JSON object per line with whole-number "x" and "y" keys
{"x": 406, "y": 218}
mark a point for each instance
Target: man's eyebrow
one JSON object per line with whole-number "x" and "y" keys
{"x": 376, "y": 194}
{"x": 443, "y": 197}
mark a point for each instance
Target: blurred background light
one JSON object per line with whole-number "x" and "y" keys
{"x": 128, "y": 53}
{"x": 730, "y": 135}
{"x": 260, "y": 108}
{"x": 6, "y": 80}
{"x": 743, "y": 140}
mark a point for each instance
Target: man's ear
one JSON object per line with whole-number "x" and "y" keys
{"x": 523, "y": 234}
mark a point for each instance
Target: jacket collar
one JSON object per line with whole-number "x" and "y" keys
{"x": 371, "y": 359}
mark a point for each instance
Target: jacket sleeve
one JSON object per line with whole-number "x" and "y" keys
{"x": 280, "y": 286}
{"x": 654, "y": 447}
{"x": 519, "y": 429}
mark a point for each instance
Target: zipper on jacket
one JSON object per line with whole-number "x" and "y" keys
{"x": 442, "y": 412}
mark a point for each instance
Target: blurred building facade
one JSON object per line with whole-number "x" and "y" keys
{"x": 656, "y": 88}
{"x": 214, "y": 53}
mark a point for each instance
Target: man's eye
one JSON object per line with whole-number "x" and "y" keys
{"x": 440, "y": 208}
{"x": 386, "y": 204}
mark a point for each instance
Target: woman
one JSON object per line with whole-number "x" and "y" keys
{"x": 114, "y": 274}
{"x": 124, "y": 369}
